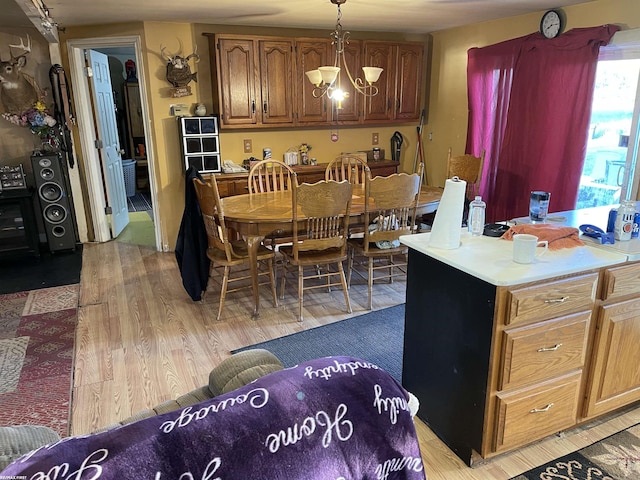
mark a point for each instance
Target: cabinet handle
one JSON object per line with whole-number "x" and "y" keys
{"x": 557, "y": 300}
{"x": 550, "y": 349}
{"x": 264, "y": 107}
{"x": 541, "y": 410}
{"x": 253, "y": 106}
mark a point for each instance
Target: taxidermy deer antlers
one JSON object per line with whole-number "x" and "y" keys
{"x": 178, "y": 70}
{"x": 18, "y": 91}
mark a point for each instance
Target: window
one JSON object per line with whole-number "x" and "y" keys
{"x": 610, "y": 172}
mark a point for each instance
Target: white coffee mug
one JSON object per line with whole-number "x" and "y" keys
{"x": 524, "y": 247}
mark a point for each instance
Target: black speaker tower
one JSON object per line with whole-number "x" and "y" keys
{"x": 55, "y": 205}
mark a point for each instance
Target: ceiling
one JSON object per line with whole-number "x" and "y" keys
{"x": 410, "y": 16}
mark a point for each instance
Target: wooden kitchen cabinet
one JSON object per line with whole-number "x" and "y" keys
{"x": 400, "y": 84}
{"x": 261, "y": 81}
{"x": 496, "y": 367}
{"x": 255, "y": 79}
{"x": 311, "y": 54}
{"x": 615, "y": 376}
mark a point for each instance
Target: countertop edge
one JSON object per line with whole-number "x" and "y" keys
{"x": 484, "y": 258}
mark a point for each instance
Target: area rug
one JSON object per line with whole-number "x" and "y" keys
{"x": 377, "y": 337}
{"x": 37, "y": 335}
{"x": 614, "y": 458}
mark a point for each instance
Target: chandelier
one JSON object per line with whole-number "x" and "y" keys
{"x": 324, "y": 78}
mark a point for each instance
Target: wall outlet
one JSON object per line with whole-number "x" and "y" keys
{"x": 248, "y": 147}
{"x": 374, "y": 138}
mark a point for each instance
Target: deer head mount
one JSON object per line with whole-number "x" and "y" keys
{"x": 178, "y": 70}
{"x": 18, "y": 91}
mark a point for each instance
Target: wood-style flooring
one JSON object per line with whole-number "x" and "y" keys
{"x": 141, "y": 340}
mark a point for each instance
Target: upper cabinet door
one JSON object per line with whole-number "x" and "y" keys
{"x": 237, "y": 80}
{"x": 349, "y": 110}
{"x": 409, "y": 80}
{"x": 310, "y": 54}
{"x": 380, "y": 54}
{"x": 276, "y": 80}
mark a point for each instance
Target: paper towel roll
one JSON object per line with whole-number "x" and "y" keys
{"x": 447, "y": 226}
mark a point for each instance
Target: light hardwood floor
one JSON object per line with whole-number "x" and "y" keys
{"x": 141, "y": 340}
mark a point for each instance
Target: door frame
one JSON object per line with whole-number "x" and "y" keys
{"x": 86, "y": 129}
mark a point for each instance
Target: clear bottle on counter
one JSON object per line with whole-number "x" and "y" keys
{"x": 475, "y": 222}
{"x": 624, "y": 220}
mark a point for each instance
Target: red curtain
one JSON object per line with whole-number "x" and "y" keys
{"x": 529, "y": 108}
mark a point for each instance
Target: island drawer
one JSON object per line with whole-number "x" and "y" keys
{"x": 551, "y": 299}
{"x": 531, "y": 414}
{"x": 621, "y": 281}
{"x": 535, "y": 352}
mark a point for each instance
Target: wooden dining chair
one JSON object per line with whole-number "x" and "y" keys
{"x": 269, "y": 176}
{"x": 320, "y": 225}
{"x": 225, "y": 253}
{"x": 468, "y": 168}
{"x": 389, "y": 212}
{"x": 346, "y": 167}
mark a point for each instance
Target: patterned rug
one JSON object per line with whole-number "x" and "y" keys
{"x": 37, "y": 336}
{"x": 614, "y": 458}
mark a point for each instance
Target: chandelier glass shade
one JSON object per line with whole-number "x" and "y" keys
{"x": 324, "y": 78}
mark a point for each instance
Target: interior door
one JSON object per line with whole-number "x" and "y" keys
{"x": 109, "y": 144}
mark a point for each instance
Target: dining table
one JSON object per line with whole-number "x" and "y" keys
{"x": 258, "y": 215}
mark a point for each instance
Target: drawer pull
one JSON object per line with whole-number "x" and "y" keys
{"x": 557, "y": 300}
{"x": 541, "y": 410}
{"x": 550, "y": 349}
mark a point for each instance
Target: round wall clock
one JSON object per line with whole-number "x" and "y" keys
{"x": 551, "y": 24}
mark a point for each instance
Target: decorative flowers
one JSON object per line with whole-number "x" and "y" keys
{"x": 37, "y": 118}
{"x": 304, "y": 148}
{"x": 304, "y": 153}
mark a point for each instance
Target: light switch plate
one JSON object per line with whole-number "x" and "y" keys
{"x": 248, "y": 145}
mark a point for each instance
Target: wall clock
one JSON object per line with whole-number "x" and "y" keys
{"x": 551, "y": 24}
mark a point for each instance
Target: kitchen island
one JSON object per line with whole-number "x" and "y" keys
{"x": 502, "y": 354}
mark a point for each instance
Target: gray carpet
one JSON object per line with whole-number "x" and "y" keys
{"x": 377, "y": 337}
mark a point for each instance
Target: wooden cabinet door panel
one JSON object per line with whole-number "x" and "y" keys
{"x": 527, "y": 415}
{"x": 551, "y": 299}
{"x": 310, "y": 54}
{"x": 615, "y": 375}
{"x": 621, "y": 281}
{"x": 409, "y": 82}
{"x": 237, "y": 81}
{"x": 276, "y": 75}
{"x": 348, "y": 111}
{"x": 543, "y": 350}
{"x": 380, "y": 54}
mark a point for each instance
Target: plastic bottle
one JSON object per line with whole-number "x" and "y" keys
{"x": 476, "y": 216}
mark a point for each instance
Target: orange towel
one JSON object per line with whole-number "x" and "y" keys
{"x": 557, "y": 236}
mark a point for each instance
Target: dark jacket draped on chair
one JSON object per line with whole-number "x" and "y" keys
{"x": 192, "y": 243}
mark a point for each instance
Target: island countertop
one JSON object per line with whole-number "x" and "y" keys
{"x": 594, "y": 216}
{"x": 491, "y": 259}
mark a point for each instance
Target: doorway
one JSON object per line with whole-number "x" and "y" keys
{"x": 143, "y": 199}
